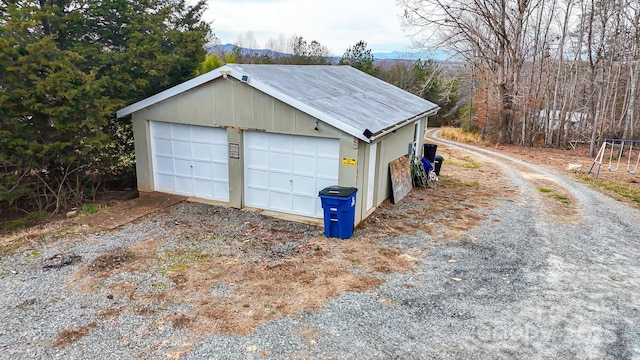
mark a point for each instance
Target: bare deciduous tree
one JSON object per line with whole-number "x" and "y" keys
{"x": 489, "y": 32}
{"x": 558, "y": 70}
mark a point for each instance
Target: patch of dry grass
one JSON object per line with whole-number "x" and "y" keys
{"x": 260, "y": 290}
{"x": 624, "y": 187}
{"x": 26, "y": 238}
{"x": 458, "y": 135}
{"x": 73, "y": 334}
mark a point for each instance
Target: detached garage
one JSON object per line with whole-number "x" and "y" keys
{"x": 271, "y": 136}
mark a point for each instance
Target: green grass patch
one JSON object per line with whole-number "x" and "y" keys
{"x": 467, "y": 164}
{"x": 623, "y": 191}
{"x": 177, "y": 261}
{"x": 553, "y": 194}
{"x": 14, "y": 224}
{"x": 562, "y": 199}
{"x": 24, "y": 222}
{"x": 89, "y": 209}
{"x": 39, "y": 215}
{"x": 461, "y": 184}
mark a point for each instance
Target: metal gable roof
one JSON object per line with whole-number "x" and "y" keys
{"x": 341, "y": 96}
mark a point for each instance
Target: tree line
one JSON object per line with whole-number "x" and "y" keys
{"x": 540, "y": 71}
{"x": 66, "y": 66}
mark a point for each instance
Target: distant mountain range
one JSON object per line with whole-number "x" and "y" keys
{"x": 437, "y": 55}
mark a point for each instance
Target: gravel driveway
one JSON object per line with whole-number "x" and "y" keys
{"x": 523, "y": 284}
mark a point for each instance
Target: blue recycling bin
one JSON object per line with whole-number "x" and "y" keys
{"x": 339, "y": 204}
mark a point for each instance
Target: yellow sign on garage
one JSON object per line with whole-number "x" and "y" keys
{"x": 348, "y": 161}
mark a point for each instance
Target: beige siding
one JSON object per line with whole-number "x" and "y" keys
{"x": 360, "y": 176}
{"x": 236, "y": 171}
{"x": 263, "y": 110}
{"x": 141, "y": 140}
{"x": 222, "y": 100}
{"x": 243, "y": 107}
{"x": 390, "y": 148}
{"x": 198, "y": 104}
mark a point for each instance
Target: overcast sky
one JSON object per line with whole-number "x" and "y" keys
{"x": 337, "y": 24}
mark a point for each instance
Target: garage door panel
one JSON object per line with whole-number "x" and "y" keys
{"x": 163, "y": 147}
{"x": 164, "y": 164}
{"x": 280, "y": 201}
{"x": 220, "y": 188}
{"x": 259, "y": 197}
{"x": 254, "y": 140}
{"x": 257, "y": 158}
{"x": 182, "y": 167}
{"x": 190, "y": 160}
{"x": 182, "y": 149}
{"x": 305, "y": 145}
{"x": 165, "y": 182}
{"x": 202, "y": 152}
{"x": 280, "y": 143}
{"x": 162, "y": 130}
{"x": 305, "y": 203}
{"x": 256, "y": 178}
{"x": 281, "y": 161}
{"x": 207, "y": 135}
{"x": 328, "y": 148}
{"x": 221, "y": 173}
{"x": 304, "y": 185}
{"x": 219, "y": 136}
{"x": 203, "y": 169}
{"x": 280, "y": 182}
{"x": 203, "y": 188}
{"x": 327, "y": 168}
{"x": 295, "y": 169}
{"x": 323, "y": 183}
{"x": 304, "y": 164}
{"x": 181, "y": 132}
{"x": 202, "y": 136}
{"x": 219, "y": 153}
{"x": 184, "y": 185}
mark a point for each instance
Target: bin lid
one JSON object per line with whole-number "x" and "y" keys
{"x": 339, "y": 191}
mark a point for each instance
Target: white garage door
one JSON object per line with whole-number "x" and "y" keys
{"x": 190, "y": 160}
{"x": 285, "y": 172}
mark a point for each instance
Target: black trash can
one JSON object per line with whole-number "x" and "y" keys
{"x": 438, "y": 164}
{"x": 429, "y": 151}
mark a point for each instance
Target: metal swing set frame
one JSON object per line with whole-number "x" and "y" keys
{"x": 614, "y": 161}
